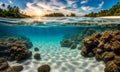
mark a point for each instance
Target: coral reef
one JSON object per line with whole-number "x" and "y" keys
{"x": 4, "y": 66}
{"x": 15, "y": 48}
{"x": 74, "y": 40}
{"x": 111, "y": 67}
{"x": 105, "y": 47}
{"x": 44, "y": 68}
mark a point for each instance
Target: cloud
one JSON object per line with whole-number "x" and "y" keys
{"x": 10, "y": 1}
{"x": 49, "y": 7}
{"x": 67, "y": 7}
{"x": 101, "y": 4}
{"x": 87, "y": 8}
{"x": 84, "y": 1}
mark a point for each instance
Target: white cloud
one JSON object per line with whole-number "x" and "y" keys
{"x": 101, "y": 4}
{"x": 87, "y": 8}
{"x": 84, "y": 1}
{"x": 48, "y": 7}
{"x": 10, "y": 1}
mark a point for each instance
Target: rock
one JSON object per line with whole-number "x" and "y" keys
{"x": 98, "y": 57}
{"x": 66, "y": 43}
{"x": 73, "y": 46}
{"x": 3, "y": 64}
{"x": 36, "y": 49}
{"x": 115, "y": 46}
{"x": 15, "y": 48}
{"x": 84, "y": 51}
{"x": 37, "y": 56}
{"x": 105, "y": 47}
{"x": 19, "y": 53}
{"x": 18, "y": 68}
{"x": 44, "y": 68}
{"x": 111, "y": 67}
{"x": 107, "y": 56}
{"x": 93, "y": 41}
{"x": 9, "y": 69}
{"x": 90, "y": 54}
{"x": 106, "y": 37}
{"x": 117, "y": 60}
{"x": 99, "y": 51}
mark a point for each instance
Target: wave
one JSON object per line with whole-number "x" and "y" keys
{"x": 57, "y": 21}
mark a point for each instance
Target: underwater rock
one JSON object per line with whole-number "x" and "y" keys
{"x": 115, "y": 46}
{"x": 117, "y": 60}
{"x": 3, "y": 64}
{"x": 76, "y": 38}
{"x": 15, "y": 48}
{"x": 72, "y": 41}
{"x": 18, "y": 68}
{"x": 9, "y": 69}
{"x": 98, "y": 57}
{"x": 106, "y": 36}
{"x": 105, "y": 47}
{"x": 36, "y": 49}
{"x": 87, "y": 32}
{"x": 37, "y": 56}
{"x": 66, "y": 43}
{"x": 19, "y": 53}
{"x": 44, "y": 68}
{"x": 107, "y": 56}
{"x": 73, "y": 46}
{"x": 111, "y": 67}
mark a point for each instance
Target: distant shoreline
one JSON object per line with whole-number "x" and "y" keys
{"x": 110, "y": 17}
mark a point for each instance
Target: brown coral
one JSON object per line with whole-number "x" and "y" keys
{"x": 111, "y": 67}
{"x": 105, "y": 47}
{"x": 15, "y": 48}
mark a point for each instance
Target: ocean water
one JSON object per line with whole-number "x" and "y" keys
{"x": 46, "y": 34}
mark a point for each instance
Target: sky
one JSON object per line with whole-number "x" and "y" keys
{"x": 41, "y": 7}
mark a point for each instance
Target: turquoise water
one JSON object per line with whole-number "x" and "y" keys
{"x": 47, "y": 34}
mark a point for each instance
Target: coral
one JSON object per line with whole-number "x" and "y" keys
{"x": 66, "y": 43}
{"x": 111, "y": 67}
{"x": 4, "y": 66}
{"x": 37, "y": 56}
{"x": 18, "y": 68}
{"x": 36, "y": 49}
{"x": 15, "y": 48}
{"x": 73, "y": 46}
{"x": 44, "y": 68}
{"x": 107, "y": 56}
{"x": 117, "y": 60}
{"x": 105, "y": 47}
{"x": 72, "y": 41}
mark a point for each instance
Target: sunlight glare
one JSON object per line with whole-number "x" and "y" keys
{"x": 39, "y": 13}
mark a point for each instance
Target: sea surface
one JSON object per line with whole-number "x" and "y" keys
{"x": 47, "y": 33}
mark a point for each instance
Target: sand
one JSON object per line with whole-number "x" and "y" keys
{"x": 110, "y": 17}
{"x": 60, "y": 59}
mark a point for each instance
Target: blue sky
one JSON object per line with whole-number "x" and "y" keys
{"x": 80, "y": 7}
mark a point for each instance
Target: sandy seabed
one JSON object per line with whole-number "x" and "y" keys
{"x": 60, "y": 59}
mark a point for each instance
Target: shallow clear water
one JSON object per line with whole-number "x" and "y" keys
{"x": 46, "y": 35}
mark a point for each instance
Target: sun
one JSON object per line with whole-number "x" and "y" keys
{"x": 39, "y": 13}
